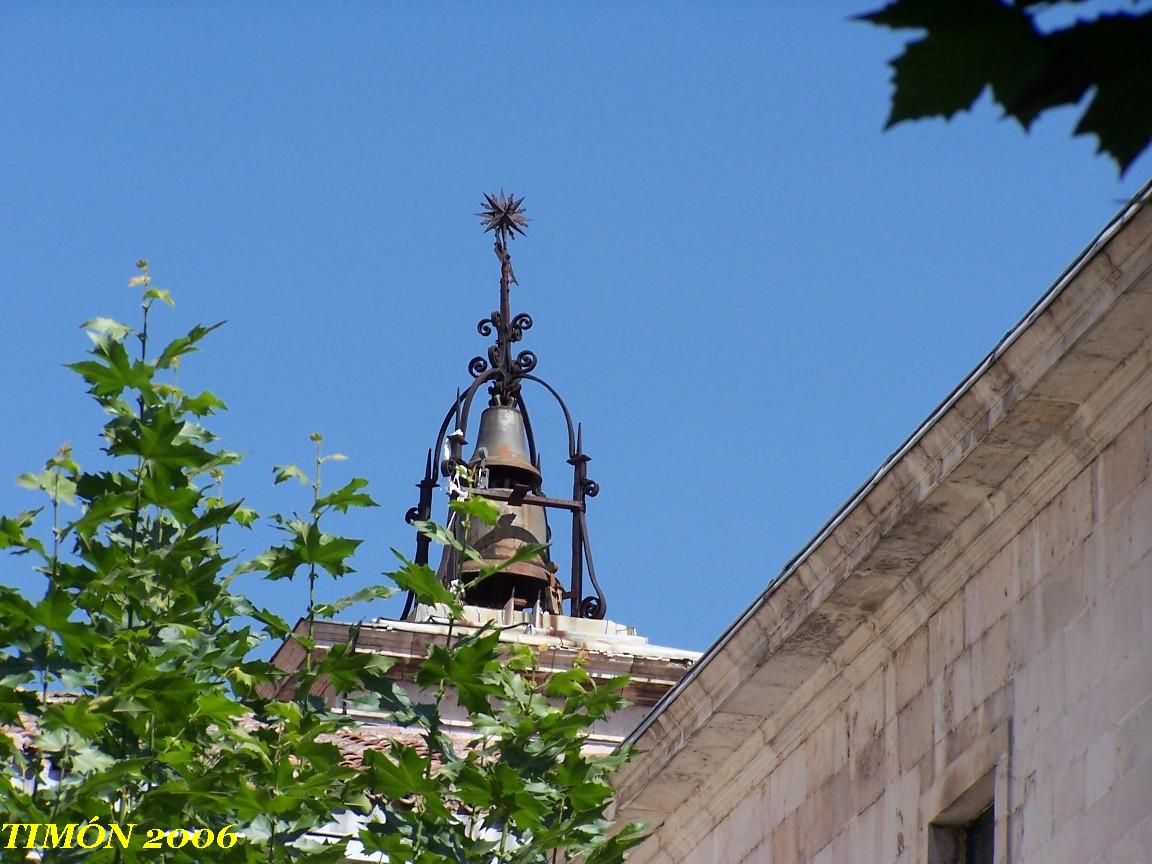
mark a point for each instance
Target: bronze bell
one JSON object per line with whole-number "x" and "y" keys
{"x": 502, "y": 444}
{"x": 502, "y": 452}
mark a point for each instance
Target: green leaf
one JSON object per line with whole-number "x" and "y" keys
{"x": 364, "y": 595}
{"x": 75, "y": 716}
{"x": 987, "y": 43}
{"x": 309, "y": 546}
{"x": 113, "y": 371}
{"x": 157, "y": 489}
{"x": 218, "y": 707}
{"x": 342, "y": 499}
{"x": 160, "y": 443}
{"x": 28, "y": 480}
{"x": 282, "y": 473}
{"x": 399, "y": 773}
{"x": 104, "y": 330}
{"x": 184, "y": 344}
{"x": 611, "y": 849}
{"x": 13, "y": 533}
{"x": 52, "y": 482}
{"x": 468, "y": 668}
{"x": 1101, "y": 53}
{"x": 421, "y": 580}
{"x": 195, "y": 433}
{"x": 440, "y": 534}
{"x": 213, "y": 518}
{"x": 161, "y": 294}
{"x": 969, "y": 46}
{"x": 203, "y": 405}
{"x": 279, "y": 562}
{"x": 478, "y": 507}
{"x": 87, "y": 758}
{"x": 346, "y": 670}
{"x": 330, "y": 552}
{"x": 568, "y": 682}
{"x": 245, "y": 516}
{"x": 276, "y": 625}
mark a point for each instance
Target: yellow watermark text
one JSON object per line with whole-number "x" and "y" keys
{"x": 95, "y": 835}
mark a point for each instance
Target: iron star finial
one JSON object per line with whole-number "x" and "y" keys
{"x": 503, "y": 214}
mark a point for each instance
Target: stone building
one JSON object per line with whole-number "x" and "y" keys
{"x": 958, "y": 668}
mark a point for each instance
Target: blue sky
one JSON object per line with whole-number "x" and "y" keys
{"x": 747, "y": 292}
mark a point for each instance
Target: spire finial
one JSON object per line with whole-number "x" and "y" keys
{"x": 503, "y": 214}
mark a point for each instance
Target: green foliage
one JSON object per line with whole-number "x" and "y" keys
{"x": 140, "y": 702}
{"x": 993, "y": 44}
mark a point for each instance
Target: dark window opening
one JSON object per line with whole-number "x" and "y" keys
{"x": 965, "y": 832}
{"x": 979, "y": 838}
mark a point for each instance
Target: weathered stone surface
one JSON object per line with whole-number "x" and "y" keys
{"x": 1123, "y": 466}
{"x": 911, "y": 662}
{"x": 914, "y": 730}
{"x": 827, "y": 748}
{"x": 945, "y": 635}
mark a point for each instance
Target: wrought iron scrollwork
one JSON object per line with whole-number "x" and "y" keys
{"x": 520, "y": 323}
{"x": 509, "y": 368}
{"x": 592, "y": 607}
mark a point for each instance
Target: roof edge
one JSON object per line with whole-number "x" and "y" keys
{"x": 1114, "y": 226}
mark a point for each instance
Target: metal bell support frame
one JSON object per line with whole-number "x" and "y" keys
{"x": 506, "y": 463}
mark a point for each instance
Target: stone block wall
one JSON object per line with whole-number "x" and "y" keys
{"x": 1029, "y": 686}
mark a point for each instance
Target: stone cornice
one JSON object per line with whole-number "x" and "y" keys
{"x": 652, "y": 670}
{"x": 1034, "y": 413}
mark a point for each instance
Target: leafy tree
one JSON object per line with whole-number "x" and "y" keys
{"x": 977, "y": 44}
{"x": 132, "y": 697}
